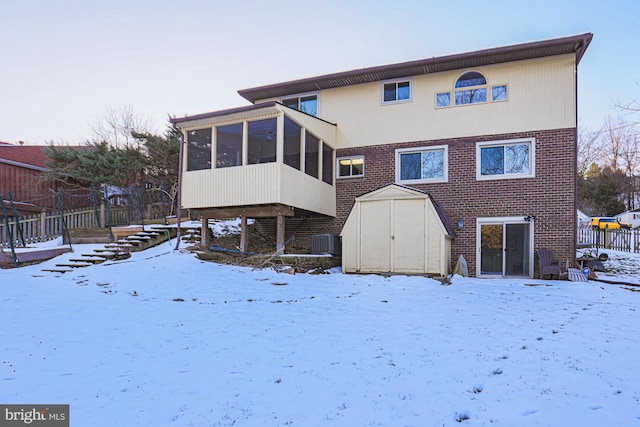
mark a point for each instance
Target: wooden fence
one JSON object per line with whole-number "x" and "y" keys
{"x": 619, "y": 240}
{"x": 47, "y": 226}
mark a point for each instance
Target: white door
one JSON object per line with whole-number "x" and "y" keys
{"x": 408, "y": 235}
{"x": 375, "y": 235}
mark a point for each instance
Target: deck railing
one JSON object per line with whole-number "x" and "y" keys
{"x": 49, "y": 225}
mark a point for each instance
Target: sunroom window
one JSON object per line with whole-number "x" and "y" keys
{"x": 506, "y": 159}
{"x": 311, "y": 159}
{"x": 229, "y": 145}
{"x": 199, "y": 149}
{"x": 292, "y": 140}
{"x": 327, "y": 164}
{"x": 262, "y": 141}
{"x": 422, "y": 165}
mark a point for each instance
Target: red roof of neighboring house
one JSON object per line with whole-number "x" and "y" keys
{"x": 32, "y": 155}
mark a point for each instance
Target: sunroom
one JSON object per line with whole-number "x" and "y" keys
{"x": 259, "y": 161}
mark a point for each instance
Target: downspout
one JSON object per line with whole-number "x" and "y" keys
{"x": 575, "y": 163}
{"x": 179, "y": 195}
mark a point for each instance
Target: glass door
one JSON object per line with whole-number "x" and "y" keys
{"x": 505, "y": 247}
{"x": 491, "y": 248}
{"x": 516, "y": 251}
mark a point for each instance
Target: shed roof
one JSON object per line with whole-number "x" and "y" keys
{"x": 565, "y": 45}
{"x": 401, "y": 191}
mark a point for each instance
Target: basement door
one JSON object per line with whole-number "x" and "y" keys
{"x": 392, "y": 235}
{"x": 505, "y": 247}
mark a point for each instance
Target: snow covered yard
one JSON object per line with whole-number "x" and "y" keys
{"x": 164, "y": 339}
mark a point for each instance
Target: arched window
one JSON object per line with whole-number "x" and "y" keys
{"x": 472, "y": 78}
{"x": 474, "y": 88}
{"x": 471, "y": 88}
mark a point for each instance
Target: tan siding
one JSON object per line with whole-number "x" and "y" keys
{"x": 541, "y": 96}
{"x": 257, "y": 184}
{"x": 301, "y": 190}
{"x": 235, "y": 186}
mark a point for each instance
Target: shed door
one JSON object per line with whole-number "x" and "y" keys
{"x": 375, "y": 235}
{"x": 392, "y": 235}
{"x": 409, "y": 235}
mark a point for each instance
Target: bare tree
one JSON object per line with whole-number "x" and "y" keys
{"x": 631, "y": 106}
{"x": 118, "y": 125}
{"x": 589, "y": 150}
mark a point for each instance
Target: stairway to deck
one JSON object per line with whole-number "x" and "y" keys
{"x": 118, "y": 250}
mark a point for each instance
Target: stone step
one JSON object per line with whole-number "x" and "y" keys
{"x": 74, "y": 265}
{"x": 89, "y": 260}
{"x": 57, "y": 270}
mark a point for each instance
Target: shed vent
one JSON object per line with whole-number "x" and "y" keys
{"x": 325, "y": 244}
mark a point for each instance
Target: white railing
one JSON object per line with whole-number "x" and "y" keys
{"x": 47, "y": 226}
{"x": 620, "y": 239}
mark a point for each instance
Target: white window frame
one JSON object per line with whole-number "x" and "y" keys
{"x": 396, "y": 81}
{"x": 445, "y": 166}
{"x": 503, "y": 220}
{"x": 338, "y": 176}
{"x": 303, "y": 95}
{"x": 519, "y": 141}
{"x": 435, "y": 100}
{"x": 506, "y": 93}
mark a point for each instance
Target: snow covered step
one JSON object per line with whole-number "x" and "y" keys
{"x": 92, "y": 259}
{"x": 74, "y": 265}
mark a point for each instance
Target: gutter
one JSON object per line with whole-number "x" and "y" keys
{"x": 24, "y": 165}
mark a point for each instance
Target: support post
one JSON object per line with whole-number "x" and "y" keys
{"x": 204, "y": 233}
{"x": 280, "y": 225}
{"x": 43, "y": 226}
{"x": 103, "y": 215}
{"x": 244, "y": 233}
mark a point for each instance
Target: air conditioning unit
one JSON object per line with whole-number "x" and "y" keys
{"x": 322, "y": 244}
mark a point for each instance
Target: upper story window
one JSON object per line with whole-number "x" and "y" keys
{"x": 199, "y": 149}
{"x": 305, "y": 103}
{"x": 422, "y": 165}
{"x": 472, "y": 88}
{"x": 396, "y": 91}
{"x": 350, "y": 166}
{"x": 505, "y": 159}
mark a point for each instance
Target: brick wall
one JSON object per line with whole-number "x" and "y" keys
{"x": 550, "y": 196}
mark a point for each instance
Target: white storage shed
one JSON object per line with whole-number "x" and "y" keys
{"x": 397, "y": 229}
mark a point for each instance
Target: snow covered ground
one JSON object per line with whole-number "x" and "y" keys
{"x": 163, "y": 339}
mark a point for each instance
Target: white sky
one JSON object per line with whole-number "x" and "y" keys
{"x": 64, "y": 63}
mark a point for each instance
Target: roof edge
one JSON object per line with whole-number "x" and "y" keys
{"x": 178, "y": 120}
{"x": 576, "y": 44}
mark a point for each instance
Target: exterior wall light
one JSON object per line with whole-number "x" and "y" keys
{"x": 460, "y": 223}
